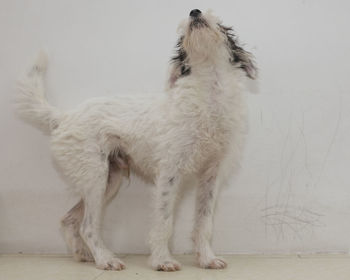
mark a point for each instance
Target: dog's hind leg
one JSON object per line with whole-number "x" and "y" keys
{"x": 205, "y": 203}
{"x": 71, "y": 222}
{"x": 165, "y": 196}
{"x": 94, "y": 196}
{"x": 70, "y": 226}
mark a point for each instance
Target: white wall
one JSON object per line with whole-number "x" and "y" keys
{"x": 293, "y": 192}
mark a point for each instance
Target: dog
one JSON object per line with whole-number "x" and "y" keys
{"x": 196, "y": 129}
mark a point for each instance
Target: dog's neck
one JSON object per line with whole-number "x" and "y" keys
{"x": 212, "y": 89}
{"x": 218, "y": 75}
{"x": 215, "y": 67}
{"x": 211, "y": 79}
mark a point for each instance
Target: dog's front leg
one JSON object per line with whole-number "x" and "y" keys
{"x": 205, "y": 203}
{"x": 165, "y": 193}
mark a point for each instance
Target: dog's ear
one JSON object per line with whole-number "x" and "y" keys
{"x": 246, "y": 61}
{"x": 179, "y": 64}
{"x": 239, "y": 57}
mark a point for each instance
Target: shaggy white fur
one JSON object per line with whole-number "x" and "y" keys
{"x": 197, "y": 128}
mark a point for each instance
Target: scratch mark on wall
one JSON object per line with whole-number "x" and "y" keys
{"x": 331, "y": 143}
{"x": 306, "y": 153}
{"x": 286, "y": 219}
{"x": 289, "y": 215}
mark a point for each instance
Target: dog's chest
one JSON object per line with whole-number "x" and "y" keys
{"x": 216, "y": 125}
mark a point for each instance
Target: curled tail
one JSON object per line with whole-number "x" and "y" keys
{"x": 31, "y": 102}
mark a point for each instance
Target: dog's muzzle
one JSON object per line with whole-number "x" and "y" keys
{"x": 197, "y": 21}
{"x": 195, "y": 13}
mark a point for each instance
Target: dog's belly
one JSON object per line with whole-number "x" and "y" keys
{"x": 178, "y": 147}
{"x": 142, "y": 162}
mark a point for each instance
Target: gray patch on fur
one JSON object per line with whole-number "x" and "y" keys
{"x": 171, "y": 180}
{"x": 164, "y": 206}
{"x": 165, "y": 193}
{"x": 210, "y": 179}
{"x": 204, "y": 211}
{"x": 165, "y": 210}
{"x": 103, "y": 156}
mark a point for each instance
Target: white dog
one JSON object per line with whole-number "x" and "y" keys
{"x": 197, "y": 128}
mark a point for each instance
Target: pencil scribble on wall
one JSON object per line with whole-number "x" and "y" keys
{"x": 290, "y": 209}
{"x": 285, "y": 219}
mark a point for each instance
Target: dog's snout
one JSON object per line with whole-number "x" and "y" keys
{"x": 195, "y": 13}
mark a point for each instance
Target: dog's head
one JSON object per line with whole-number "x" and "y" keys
{"x": 203, "y": 38}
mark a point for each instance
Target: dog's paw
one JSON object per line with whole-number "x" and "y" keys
{"x": 214, "y": 263}
{"x": 166, "y": 265}
{"x": 112, "y": 264}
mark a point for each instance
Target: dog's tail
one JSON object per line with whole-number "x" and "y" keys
{"x": 31, "y": 102}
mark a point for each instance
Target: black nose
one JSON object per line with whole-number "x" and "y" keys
{"x": 195, "y": 13}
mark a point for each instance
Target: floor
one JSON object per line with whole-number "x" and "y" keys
{"x": 29, "y": 267}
